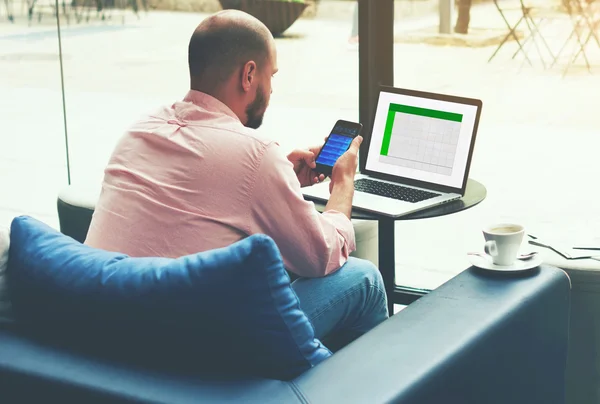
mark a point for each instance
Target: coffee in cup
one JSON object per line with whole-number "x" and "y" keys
{"x": 503, "y": 241}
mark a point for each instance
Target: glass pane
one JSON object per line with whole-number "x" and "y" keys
{"x": 121, "y": 65}
{"x": 32, "y": 153}
{"x": 538, "y": 136}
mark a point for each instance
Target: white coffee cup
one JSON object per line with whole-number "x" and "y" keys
{"x": 503, "y": 241}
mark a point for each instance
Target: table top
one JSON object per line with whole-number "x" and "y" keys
{"x": 474, "y": 194}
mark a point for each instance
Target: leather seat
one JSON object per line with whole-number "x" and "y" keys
{"x": 75, "y": 207}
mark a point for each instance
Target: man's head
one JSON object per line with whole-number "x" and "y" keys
{"x": 232, "y": 57}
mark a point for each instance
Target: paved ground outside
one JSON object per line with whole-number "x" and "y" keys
{"x": 536, "y": 150}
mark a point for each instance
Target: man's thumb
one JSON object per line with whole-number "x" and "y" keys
{"x": 356, "y": 143}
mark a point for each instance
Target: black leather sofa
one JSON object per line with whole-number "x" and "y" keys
{"x": 477, "y": 339}
{"x": 480, "y": 338}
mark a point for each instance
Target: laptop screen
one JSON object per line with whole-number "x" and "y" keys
{"x": 420, "y": 138}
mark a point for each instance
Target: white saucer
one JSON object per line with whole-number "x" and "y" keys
{"x": 518, "y": 265}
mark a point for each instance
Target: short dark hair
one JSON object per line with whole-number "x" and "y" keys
{"x": 223, "y": 49}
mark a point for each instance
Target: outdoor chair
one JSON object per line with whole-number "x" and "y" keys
{"x": 585, "y": 18}
{"x": 531, "y": 19}
{"x": 9, "y": 10}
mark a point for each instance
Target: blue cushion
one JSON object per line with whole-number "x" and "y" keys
{"x": 230, "y": 310}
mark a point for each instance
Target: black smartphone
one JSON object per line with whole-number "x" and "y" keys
{"x": 337, "y": 143}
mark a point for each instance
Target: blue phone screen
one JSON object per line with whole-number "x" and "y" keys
{"x": 336, "y": 146}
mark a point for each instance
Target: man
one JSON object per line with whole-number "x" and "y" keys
{"x": 195, "y": 176}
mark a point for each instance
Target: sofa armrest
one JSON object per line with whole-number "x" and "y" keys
{"x": 75, "y": 206}
{"x": 34, "y": 371}
{"x": 479, "y": 338}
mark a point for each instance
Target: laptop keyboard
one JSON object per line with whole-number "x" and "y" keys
{"x": 392, "y": 190}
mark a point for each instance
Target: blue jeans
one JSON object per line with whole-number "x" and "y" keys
{"x": 344, "y": 305}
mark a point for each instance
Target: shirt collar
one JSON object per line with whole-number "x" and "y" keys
{"x": 209, "y": 103}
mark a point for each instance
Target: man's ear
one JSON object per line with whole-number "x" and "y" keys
{"x": 248, "y": 75}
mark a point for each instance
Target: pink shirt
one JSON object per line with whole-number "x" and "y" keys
{"x": 191, "y": 178}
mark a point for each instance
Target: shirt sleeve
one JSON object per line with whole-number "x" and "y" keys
{"x": 312, "y": 244}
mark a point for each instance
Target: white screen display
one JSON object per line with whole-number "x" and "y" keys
{"x": 421, "y": 138}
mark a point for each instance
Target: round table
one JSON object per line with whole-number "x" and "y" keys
{"x": 474, "y": 194}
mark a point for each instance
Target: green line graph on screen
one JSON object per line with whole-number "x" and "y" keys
{"x": 421, "y": 138}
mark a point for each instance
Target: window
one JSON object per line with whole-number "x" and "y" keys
{"x": 125, "y": 59}
{"x": 129, "y": 65}
{"x": 537, "y": 140}
{"x": 32, "y": 143}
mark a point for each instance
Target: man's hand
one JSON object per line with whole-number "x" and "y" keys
{"x": 341, "y": 186}
{"x": 304, "y": 165}
{"x": 344, "y": 168}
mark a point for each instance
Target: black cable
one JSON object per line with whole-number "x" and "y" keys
{"x": 62, "y": 85}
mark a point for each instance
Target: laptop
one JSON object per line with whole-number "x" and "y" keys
{"x": 418, "y": 156}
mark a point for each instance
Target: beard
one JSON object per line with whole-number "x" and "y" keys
{"x": 256, "y": 110}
